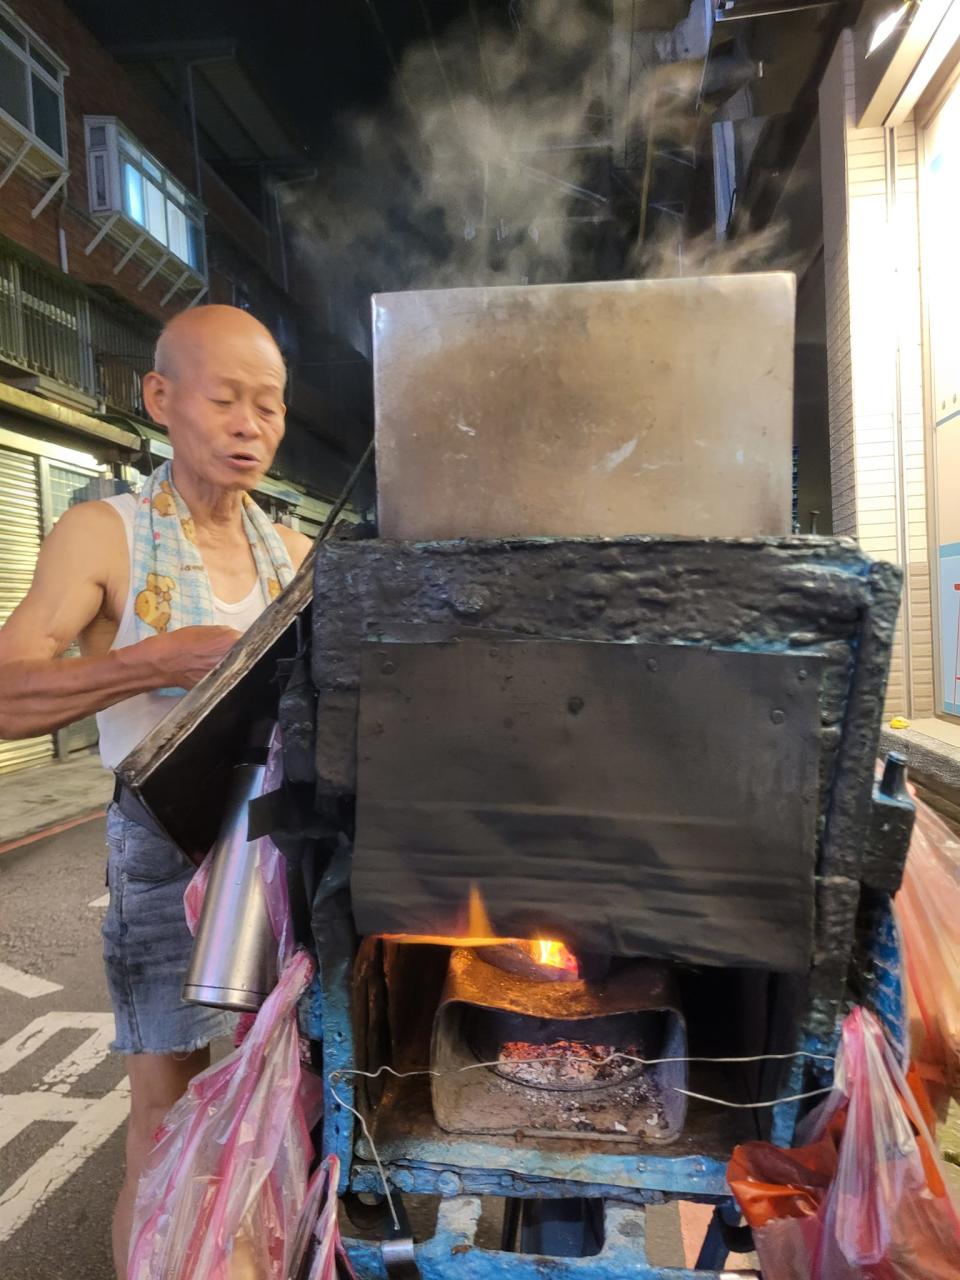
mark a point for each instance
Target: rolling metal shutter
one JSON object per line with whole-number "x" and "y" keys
{"x": 20, "y": 526}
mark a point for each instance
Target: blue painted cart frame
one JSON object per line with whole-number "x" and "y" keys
{"x": 460, "y": 1172}
{"x": 819, "y": 595}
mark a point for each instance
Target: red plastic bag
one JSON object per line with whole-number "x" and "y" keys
{"x": 865, "y": 1199}
{"x": 224, "y": 1186}
{"x": 928, "y": 909}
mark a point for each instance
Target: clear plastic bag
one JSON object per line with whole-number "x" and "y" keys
{"x": 866, "y": 1198}
{"x": 224, "y": 1186}
{"x": 928, "y": 909}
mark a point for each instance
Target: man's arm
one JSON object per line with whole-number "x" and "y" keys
{"x": 39, "y": 693}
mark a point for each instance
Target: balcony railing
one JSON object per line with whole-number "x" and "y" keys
{"x": 52, "y": 327}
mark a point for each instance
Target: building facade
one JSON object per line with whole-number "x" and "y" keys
{"x": 112, "y": 221}
{"x": 890, "y": 155}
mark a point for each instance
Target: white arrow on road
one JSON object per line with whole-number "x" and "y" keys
{"x": 25, "y": 984}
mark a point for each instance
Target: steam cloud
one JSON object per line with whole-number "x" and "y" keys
{"x": 490, "y": 163}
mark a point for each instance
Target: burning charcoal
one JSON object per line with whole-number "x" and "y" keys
{"x": 566, "y": 1064}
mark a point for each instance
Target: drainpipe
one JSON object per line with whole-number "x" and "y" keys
{"x": 62, "y": 233}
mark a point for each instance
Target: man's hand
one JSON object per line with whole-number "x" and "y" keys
{"x": 183, "y": 657}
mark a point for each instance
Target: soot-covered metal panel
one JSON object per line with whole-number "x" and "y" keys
{"x": 631, "y": 799}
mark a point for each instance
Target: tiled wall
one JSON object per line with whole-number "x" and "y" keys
{"x": 874, "y": 355}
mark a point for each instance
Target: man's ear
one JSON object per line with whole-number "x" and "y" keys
{"x": 156, "y": 392}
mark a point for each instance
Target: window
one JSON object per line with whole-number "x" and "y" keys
{"x": 31, "y": 86}
{"x": 125, "y": 179}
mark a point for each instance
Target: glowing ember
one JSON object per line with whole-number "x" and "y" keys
{"x": 566, "y": 1063}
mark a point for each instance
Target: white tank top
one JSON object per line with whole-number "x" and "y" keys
{"x": 126, "y": 723}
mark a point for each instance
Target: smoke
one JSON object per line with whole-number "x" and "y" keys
{"x": 515, "y": 151}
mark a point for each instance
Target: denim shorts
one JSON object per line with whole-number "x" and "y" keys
{"x": 147, "y": 945}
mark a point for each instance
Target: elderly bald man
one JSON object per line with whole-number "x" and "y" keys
{"x": 218, "y": 388}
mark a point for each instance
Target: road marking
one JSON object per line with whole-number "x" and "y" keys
{"x": 98, "y": 1121}
{"x": 92, "y": 1120}
{"x": 84, "y": 1058}
{"x": 20, "y": 1110}
{"x": 101, "y": 902}
{"x": 44, "y": 1028}
{"x": 25, "y": 984}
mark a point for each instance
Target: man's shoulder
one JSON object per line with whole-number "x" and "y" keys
{"x": 297, "y": 544}
{"x": 92, "y": 533}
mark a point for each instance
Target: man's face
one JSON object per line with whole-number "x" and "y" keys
{"x": 223, "y": 407}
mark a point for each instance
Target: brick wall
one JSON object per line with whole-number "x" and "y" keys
{"x": 98, "y": 85}
{"x": 875, "y": 372}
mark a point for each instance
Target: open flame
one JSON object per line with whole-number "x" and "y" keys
{"x": 479, "y": 932}
{"x": 554, "y": 955}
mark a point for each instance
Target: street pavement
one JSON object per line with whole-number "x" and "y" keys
{"x": 63, "y": 1096}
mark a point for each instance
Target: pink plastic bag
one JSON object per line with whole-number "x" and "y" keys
{"x": 928, "y": 909}
{"x": 224, "y": 1186}
{"x": 195, "y": 893}
{"x": 866, "y": 1199}
{"x": 318, "y": 1252}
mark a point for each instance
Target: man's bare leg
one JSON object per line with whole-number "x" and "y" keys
{"x": 156, "y": 1082}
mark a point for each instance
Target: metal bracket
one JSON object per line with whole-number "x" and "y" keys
{"x": 153, "y": 270}
{"x": 129, "y": 254}
{"x": 173, "y": 289}
{"x": 49, "y": 194}
{"x": 14, "y": 162}
{"x": 104, "y": 231}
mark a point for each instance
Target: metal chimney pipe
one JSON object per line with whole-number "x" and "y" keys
{"x": 234, "y": 961}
